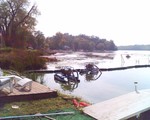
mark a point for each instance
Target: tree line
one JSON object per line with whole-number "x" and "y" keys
{"x": 17, "y": 29}
{"x": 83, "y": 42}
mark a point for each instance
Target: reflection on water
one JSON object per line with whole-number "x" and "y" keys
{"x": 38, "y": 77}
{"x": 109, "y": 84}
{"x": 68, "y": 86}
{"x": 68, "y": 77}
{"x": 90, "y": 77}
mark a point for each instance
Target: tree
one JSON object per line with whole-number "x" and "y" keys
{"x": 110, "y": 45}
{"x": 39, "y": 39}
{"x": 16, "y": 21}
{"x": 100, "y": 46}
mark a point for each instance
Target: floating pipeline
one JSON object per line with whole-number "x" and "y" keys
{"x": 124, "y": 68}
{"x": 101, "y": 69}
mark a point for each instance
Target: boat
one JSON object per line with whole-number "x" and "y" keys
{"x": 67, "y": 74}
{"x": 91, "y": 72}
{"x": 128, "y": 56}
{"x": 90, "y": 68}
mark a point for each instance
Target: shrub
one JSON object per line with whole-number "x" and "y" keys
{"x": 5, "y": 61}
{"x": 21, "y": 60}
{"x": 5, "y": 50}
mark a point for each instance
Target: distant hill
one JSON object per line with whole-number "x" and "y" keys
{"x": 134, "y": 47}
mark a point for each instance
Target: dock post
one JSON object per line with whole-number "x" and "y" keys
{"x": 135, "y": 83}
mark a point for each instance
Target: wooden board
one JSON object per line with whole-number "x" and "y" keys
{"x": 122, "y": 107}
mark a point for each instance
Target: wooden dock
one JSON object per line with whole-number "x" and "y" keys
{"x": 122, "y": 107}
{"x": 38, "y": 91}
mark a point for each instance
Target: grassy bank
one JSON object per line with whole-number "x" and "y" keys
{"x": 35, "y": 106}
{"x": 62, "y": 102}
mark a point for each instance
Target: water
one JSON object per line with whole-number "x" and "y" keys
{"x": 110, "y": 84}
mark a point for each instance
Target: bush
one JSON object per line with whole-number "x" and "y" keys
{"x": 21, "y": 60}
{"x": 5, "y": 61}
{"x": 5, "y": 50}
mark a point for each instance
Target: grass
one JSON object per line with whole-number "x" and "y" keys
{"x": 37, "y": 106}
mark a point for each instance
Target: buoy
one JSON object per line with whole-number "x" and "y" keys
{"x": 79, "y": 104}
{"x": 83, "y": 104}
{"x": 75, "y": 103}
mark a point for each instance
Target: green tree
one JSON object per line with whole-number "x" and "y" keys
{"x": 100, "y": 46}
{"x": 39, "y": 40}
{"x": 16, "y": 20}
{"x": 110, "y": 45}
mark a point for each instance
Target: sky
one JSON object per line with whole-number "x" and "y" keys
{"x": 126, "y": 22}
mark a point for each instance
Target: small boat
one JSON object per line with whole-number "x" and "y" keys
{"x": 60, "y": 77}
{"x": 90, "y": 68}
{"x": 67, "y": 74}
{"x": 128, "y": 56}
{"x": 91, "y": 72}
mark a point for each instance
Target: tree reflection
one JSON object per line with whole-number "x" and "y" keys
{"x": 38, "y": 77}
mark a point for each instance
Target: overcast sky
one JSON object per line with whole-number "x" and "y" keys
{"x": 123, "y": 21}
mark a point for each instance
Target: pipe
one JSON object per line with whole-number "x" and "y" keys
{"x": 36, "y": 115}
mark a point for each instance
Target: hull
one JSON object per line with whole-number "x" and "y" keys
{"x": 65, "y": 79}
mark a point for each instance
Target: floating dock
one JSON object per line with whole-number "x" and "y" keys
{"x": 38, "y": 91}
{"x": 122, "y": 107}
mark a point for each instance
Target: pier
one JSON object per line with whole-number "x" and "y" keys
{"x": 122, "y": 107}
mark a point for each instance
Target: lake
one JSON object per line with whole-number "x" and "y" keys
{"x": 111, "y": 83}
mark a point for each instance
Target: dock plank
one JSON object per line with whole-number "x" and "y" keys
{"x": 38, "y": 91}
{"x": 122, "y": 107}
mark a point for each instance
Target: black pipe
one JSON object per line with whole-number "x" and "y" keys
{"x": 101, "y": 69}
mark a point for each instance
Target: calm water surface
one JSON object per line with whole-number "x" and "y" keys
{"x": 110, "y": 84}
